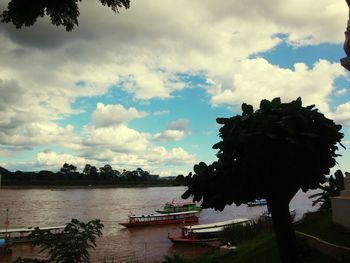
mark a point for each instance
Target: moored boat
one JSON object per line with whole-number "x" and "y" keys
{"x": 292, "y": 213}
{"x": 20, "y": 235}
{"x": 257, "y": 202}
{"x": 177, "y": 206}
{"x": 162, "y": 219}
{"x": 205, "y": 232}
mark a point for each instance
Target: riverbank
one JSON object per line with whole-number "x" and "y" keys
{"x": 63, "y": 187}
{"x": 263, "y": 248}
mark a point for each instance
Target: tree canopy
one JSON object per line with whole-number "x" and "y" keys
{"x": 62, "y": 13}
{"x": 71, "y": 245}
{"x": 269, "y": 153}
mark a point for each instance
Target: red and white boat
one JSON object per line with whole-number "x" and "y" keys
{"x": 162, "y": 219}
{"x": 205, "y": 232}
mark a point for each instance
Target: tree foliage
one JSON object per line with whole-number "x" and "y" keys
{"x": 71, "y": 245}
{"x": 269, "y": 153}
{"x": 331, "y": 188}
{"x": 62, "y": 13}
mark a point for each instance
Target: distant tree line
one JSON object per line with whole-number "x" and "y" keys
{"x": 91, "y": 175}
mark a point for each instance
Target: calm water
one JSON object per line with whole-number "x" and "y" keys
{"x": 44, "y": 207}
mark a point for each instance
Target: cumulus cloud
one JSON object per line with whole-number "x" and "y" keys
{"x": 169, "y": 135}
{"x": 158, "y": 160}
{"x": 175, "y": 131}
{"x": 257, "y": 79}
{"x": 40, "y": 133}
{"x": 54, "y": 160}
{"x": 44, "y": 70}
{"x": 108, "y": 115}
{"x": 178, "y": 125}
{"x": 341, "y": 114}
{"x": 118, "y": 138}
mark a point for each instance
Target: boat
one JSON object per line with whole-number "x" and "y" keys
{"x": 178, "y": 206}
{"x": 20, "y": 235}
{"x": 205, "y": 232}
{"x": 162, "y": 219}
{"x": 267, "y": 214}
{"x": 257, "y": 202}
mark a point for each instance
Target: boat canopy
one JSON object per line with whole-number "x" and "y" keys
{"x": 163, "y": 215}
{"x": 29, "y": 229}
{"x": 218, "y": 224}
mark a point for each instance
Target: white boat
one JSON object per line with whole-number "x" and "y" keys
{"x": 205, "y": 232}
{"x": 217, "y": 224}
{"x": 20, "y": 235}
{"x": 257, "y": 202}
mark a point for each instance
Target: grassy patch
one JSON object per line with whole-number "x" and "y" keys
{"x": 319, "y": 224}
{"x": 262, "y": 249}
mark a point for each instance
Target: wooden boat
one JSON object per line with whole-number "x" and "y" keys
{"x": 20, "y": 235}
{"x": 176, "y": 206}
{"x": 205, "y": 232}
{"x": 162, "y": 219}
{"x": 257, "y": 202}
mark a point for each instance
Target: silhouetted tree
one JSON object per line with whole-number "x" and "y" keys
{"x": 332, "y": 188}
{"x": 71, "y": 245}
{"x": 68, "y": 168}
{"x": 62, "y": 13}
{"x": 179, "y": 180}
{"x": 269, "y": 153}
{"x": 90, "y": 170}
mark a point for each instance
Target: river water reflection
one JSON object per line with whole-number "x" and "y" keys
{"x": 45, "y": 207}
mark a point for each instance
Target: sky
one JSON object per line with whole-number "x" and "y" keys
{"x": 144, "y": 87}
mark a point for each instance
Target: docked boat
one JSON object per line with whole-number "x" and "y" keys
{"x": 205, "y": 232}
{"x": 20, "y": 235}
{"x": 177, "y": 206}
{"x": 292, "y": 213}
{"x": 162, "y": 219}
{"x": 257, "y": 202}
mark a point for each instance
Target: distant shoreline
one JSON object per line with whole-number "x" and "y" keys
{"x": 64, "y": 187}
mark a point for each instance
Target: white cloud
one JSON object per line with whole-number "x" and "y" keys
{"x": 340, "y": 92}
{"x": 175, "y": 131}
{"x": 162, "y": 112}
{"x": 109, "y": 115}
{"x": 40, "y": 133}
{"x": 44, "y": 70}
{"x": 178, "y": 125}
{"x": 118, "y": 138}
{"x": 157, "y": 160}
{"x": 341, "y": 114}
{"x": 170, "y": 135}
{"x": 256, "y": 79}
{"x": 53, "y": 160}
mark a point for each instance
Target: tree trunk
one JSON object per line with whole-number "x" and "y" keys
{"x": 284, "y": 230}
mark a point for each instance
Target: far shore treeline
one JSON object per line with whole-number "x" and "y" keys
{"x": 90, "y": 176}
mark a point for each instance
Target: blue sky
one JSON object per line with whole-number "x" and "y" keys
{"x": 143, "y": 88}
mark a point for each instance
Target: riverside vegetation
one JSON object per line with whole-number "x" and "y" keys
{"x": 90, "y": 176}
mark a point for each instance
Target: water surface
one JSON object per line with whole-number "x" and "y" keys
{"x": 45, "y": 207}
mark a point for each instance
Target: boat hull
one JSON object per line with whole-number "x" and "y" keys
{"x": 161, "y": 222}
{"x": 181, "y": 239}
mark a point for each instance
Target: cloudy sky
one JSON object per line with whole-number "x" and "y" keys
{"x": 143, "y": 88}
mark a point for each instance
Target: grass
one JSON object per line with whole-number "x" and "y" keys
{"x": 263, "y": 248}
{"x": 319, "y": 224}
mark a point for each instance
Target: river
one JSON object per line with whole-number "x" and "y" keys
{"x": 45, "y": 207}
